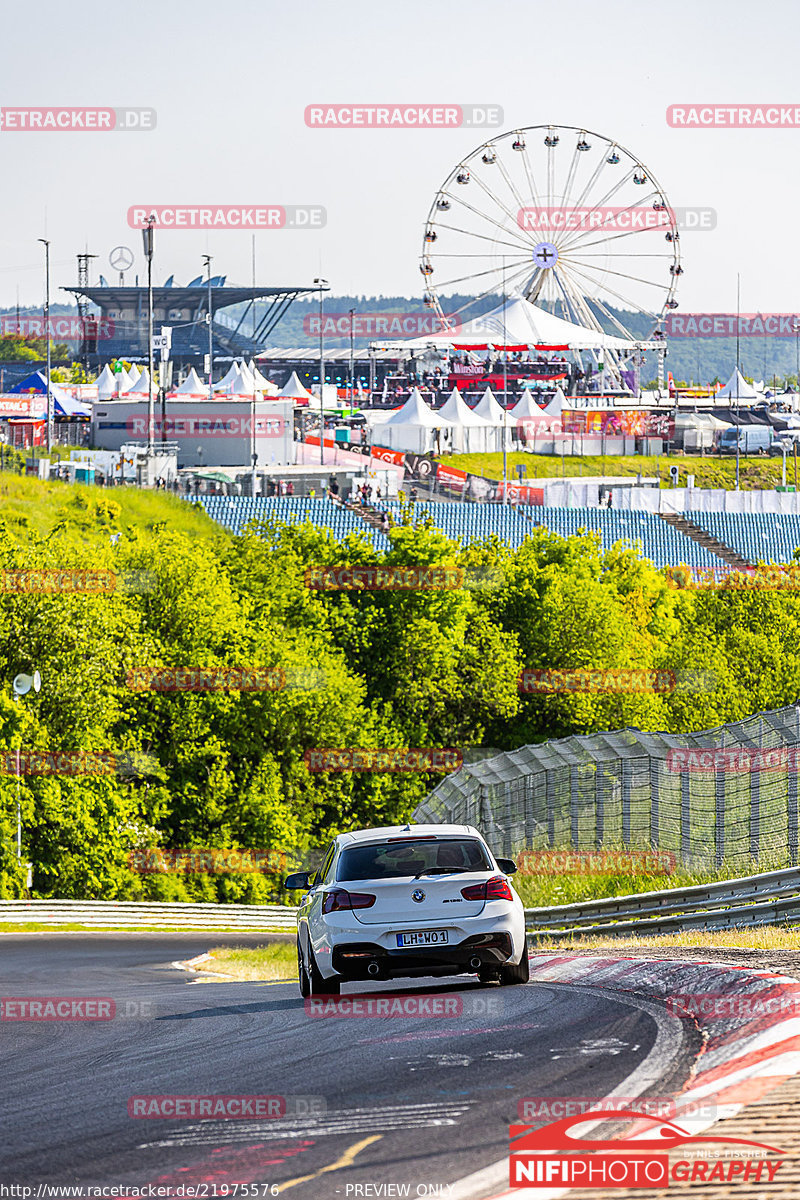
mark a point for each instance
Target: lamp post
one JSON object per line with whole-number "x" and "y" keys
{"x": 49, "y": 435}
{"x": 505, "y": 392}
{"x": 321, "y": 283}
{"x": 207, "y": 260}
{"x": 738, "y": 427}
{"x": 796, "y": 328}
{"x": 147, "y": 238}
{"x": 352, "y": 355}
{"x": 21, "y": 686}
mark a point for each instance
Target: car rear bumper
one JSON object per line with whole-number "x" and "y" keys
{"x": 352, "y": 960}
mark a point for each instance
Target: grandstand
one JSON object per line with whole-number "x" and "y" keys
{"x": 755, "y": 537}
{"x": 758, "y": 537}
{"x": 234, "y": 512}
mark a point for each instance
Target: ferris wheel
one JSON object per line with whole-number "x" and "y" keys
{"x": 566, "y": 218}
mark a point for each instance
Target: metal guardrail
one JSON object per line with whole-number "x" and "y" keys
{"x": 102, "y": 914}
{"x": 772, "y": 898}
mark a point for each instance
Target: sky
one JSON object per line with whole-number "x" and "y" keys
{"x": 230, "y": 83}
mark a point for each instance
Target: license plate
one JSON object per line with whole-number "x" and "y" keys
{"x": 425, "y": 937}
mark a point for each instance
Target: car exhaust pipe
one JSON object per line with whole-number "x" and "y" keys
{"x": 374, "y": 968}
{"x": 475, "y": 963}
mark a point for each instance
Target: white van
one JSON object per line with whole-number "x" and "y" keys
{"x": 752, "y": 439}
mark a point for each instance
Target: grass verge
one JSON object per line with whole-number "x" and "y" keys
{"x": 275, "y": 961}
{"x": 771, "y": 937}
{"x": 713, "y": 471}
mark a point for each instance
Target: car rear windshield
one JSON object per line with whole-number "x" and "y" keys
{"x": 398, "y": 859}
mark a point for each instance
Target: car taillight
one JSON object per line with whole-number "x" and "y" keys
{"x": 342, "y": 901}
{"x": 495, "y": 888}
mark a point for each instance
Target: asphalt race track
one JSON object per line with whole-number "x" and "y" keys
{"x": 419, "y": 1101}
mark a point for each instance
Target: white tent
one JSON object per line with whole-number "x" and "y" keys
{"x": 294, "y": 390}
{"x": 471, "y": 433}
{"x": 488, "y": 408}
{"x": 106, "y": 383}
{"x": 555, "y": 408}
{"x": 192, "y": 385}
{"x": 134, "y": 374}
{"x": 737, "y": 387}
{"x": 520, "y": 323}
{"x": 415, "y": 427}
{"x": 261, "y": 382}
{"x": 241, "y": 385}
{"x": 141, "y": 387}
{"x": 526, "y": 408}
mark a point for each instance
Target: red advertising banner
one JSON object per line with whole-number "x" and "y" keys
{"x": 452, "y": 478}
{"x": 396, "y": 457}
{"x": 20, "y": 406}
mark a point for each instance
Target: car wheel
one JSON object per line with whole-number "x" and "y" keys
{"x": 317, "y": 985}
{"x": 520, "y": 973}
{"x": 302, "y": 975}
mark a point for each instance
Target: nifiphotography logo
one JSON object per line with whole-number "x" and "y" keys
{"x": 553, "y": 1156}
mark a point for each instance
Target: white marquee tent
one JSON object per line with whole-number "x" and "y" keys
{"x": 106, "y": 383}
{"x": 192, "y": 385}
{"x": 294, "y": 390}
{"x": 737, "y": 387}
{"x": 471, "y": 433}
{"x": 519, "y": 323}
{"x": 416, "y": 427}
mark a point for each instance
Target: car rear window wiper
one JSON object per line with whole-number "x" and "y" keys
{"x": 445, "y": 871}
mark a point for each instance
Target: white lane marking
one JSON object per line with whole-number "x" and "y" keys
{"x": 493, "y": 1180}
{"x": 341, "y": 1121}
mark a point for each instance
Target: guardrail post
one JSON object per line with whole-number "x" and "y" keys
{"x": 755, "y": 813}
{"x": 626, "y": 801}
{"x": 686, "y": 814}
{"x": 719, "y": 822}
{"x": 573, "y": 805}
{"x": 599, "y": 813}
{"x": 791, "y": 810}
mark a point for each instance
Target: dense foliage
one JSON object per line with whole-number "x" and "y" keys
{"x": 391, "y": 669}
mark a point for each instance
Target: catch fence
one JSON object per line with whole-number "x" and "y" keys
{"x": 725, "y": 801}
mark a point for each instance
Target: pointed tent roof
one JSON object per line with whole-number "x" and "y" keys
{"x": 737, "y": 387}
{"x": 240, "y": 385}
{"x": 456, "y": 410}
{"x": 526, "y": 407}
{"x": 488, "y": 408}
{"x": 142, "y": 385}
{"x": 106, "y": 383}
{"x": 416, "y": 412}
{"x": 519, "y": 322}
{"x": 228, "y": 377}
{"x": 294, "y": 390}
{"x": 555, "y": 407}
{"x": 263, "y": 384}
{"x": 192, "y": 385}
{"x": 135, "y": 374}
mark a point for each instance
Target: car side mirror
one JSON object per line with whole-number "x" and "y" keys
{"x": 507, "y": 866}
{"x": 301, "y": 880}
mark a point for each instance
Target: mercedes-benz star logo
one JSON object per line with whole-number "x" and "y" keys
{"x": 418, "y": 895}
{"x": 121, "y": 258}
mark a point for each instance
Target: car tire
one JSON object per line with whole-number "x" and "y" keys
{"x": 302, "y": 974}
{"x": 488, "y": 976}
{"x": 519, "y": 973}
{"x": 317, "y": 986}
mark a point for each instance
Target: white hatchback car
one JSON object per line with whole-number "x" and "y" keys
{"x": 408, "y": 900}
